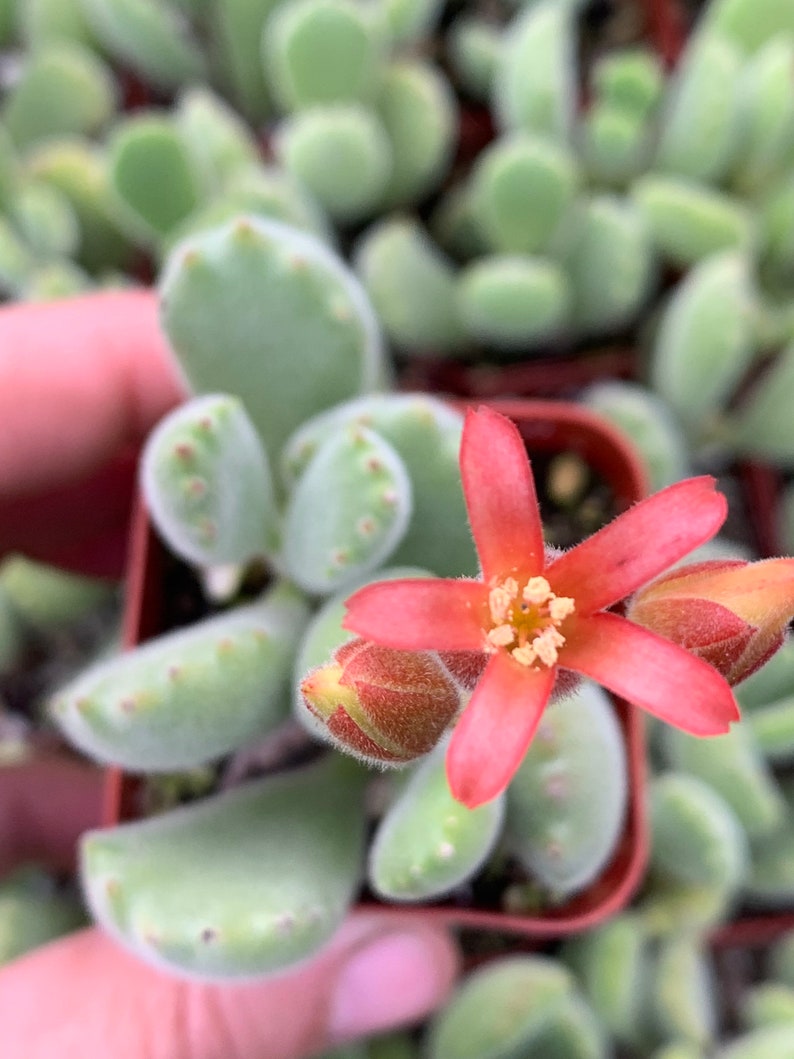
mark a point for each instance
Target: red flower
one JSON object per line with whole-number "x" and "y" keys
{"x": 535, "y": 615}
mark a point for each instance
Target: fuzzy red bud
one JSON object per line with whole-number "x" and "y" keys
{"x": 731, "y": 613}
{"x": 384, "y": 706}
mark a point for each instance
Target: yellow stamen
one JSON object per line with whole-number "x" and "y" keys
{"x": 545, "y": 645}
{"x": 525, "y": 655}
{"x": 525, "y": 621}
{"x": 560, "y": 607}
{"x": 537, "y": 590}
{"x": 501, "y": 635}
{"x": 500, "y": 601}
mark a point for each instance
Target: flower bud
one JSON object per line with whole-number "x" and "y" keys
{"x": 731, "y": 613}
{"x": 383, "y": 706}
{"x": 466, "y": 667}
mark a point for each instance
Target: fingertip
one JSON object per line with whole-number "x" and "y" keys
{"x": 381, "y": 972}
{"x": 394, "y": 980}
{"x": 97, "y": 373}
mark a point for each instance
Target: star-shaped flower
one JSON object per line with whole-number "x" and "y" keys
{"x": 535, "y": 615}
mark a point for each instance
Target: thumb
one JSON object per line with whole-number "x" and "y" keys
{"x": 85, "y": 997}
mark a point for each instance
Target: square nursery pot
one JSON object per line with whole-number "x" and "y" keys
{"x": 548, "y": 428}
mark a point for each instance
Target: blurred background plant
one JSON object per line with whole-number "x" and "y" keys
{"x": 566, "y": 181}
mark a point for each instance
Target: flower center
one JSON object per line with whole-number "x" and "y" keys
{"x": 526, "y": 620}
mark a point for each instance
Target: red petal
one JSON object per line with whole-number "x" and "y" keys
{"x": 639, "y": 544}
{"x": 491, "y": 738}
{"x": 420, "y": 615}
{"x": 652, "y": 673}
{"x": 500, "y": 496}
{"x": 762, "y": 593}
{"x": 752, "y": 660}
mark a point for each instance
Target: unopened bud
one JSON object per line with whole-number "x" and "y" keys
{"x": 384, "y": 706}
{"x": 465, "y": 666}
{"x": 731, "y": 613}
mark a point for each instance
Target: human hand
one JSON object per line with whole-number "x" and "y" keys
{"x": 83, "y": 997}
{"x": 82, "y": 381}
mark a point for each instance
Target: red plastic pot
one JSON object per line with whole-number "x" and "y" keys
{"x": 543, "y": 377}
{"x": 547, "y": 427}
{"x": 761, "y": 487}
{"x": 754, "y": 932}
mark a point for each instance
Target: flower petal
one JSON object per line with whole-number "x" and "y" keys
{"x": 639, "y": 544}
{"x": 652, "y": 673}
{"x": 431, "y": 614}
{"x": 491, "y": 738}
{"x": 500, "y": 496}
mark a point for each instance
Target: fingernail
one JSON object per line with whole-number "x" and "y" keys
{"x": 395, "y": 980}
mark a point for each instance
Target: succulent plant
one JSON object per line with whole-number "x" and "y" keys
{"x": 233, "y": 487}
{"x": 316, "y": 184}
{"x": 158, "y": 709}
{"x": 237, "y": 917}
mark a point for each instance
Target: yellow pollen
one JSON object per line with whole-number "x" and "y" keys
{"x": 500, "y": 601}
{"x": 537, "y": 590}
{"x": 560, "y": 607}
{"x": 526, "y": 620}
{"x": 525, "y": 655}
{"x": 545, "y": 645}
{"x": 501, "y": 635}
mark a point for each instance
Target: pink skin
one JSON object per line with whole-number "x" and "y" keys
{"x": 81, "y": 383}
